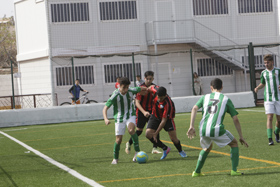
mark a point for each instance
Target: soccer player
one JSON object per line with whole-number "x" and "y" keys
{"x": 270, "y": 80}
{"x": 144, "y": 109}
{"x": 124, "y": 114}
{"x": 162, "y": 117}
{"x": 211, "y": 129}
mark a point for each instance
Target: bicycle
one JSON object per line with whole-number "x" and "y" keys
{"x": 84, "y": 100}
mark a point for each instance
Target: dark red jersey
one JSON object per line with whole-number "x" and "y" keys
{"x": 163, "y": 109}
{"x": 146, "y": 101}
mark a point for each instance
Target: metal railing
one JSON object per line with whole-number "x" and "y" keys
{"x": 26, "y": 101}
{"x": 191, "y": 31}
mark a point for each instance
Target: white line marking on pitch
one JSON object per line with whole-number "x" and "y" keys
{"x": 15, "y": 129}
{"x": 252, "y": 110}
{"x": 52, "y": 161}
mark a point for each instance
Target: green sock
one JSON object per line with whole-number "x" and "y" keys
{"x": 116, "y": 150}
{"x": 135, "y": 142}
{"x": 269, "y": 133}
{"x": 234, "y": 154}
{"x": 277, "y": 130}
{"x": 201, "y": 159}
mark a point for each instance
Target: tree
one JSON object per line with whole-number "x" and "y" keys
{"x": 8, "y": 50}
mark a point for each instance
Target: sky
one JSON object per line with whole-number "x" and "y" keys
{"x": 6, "y": 7}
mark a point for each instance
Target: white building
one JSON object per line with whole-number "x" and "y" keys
{"x": 50, "y": 32}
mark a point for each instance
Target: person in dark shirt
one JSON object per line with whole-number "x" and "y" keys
{"x": 75, "y": 91}
{"x": 144, "y": 105}
{"x": 163, "y": 114}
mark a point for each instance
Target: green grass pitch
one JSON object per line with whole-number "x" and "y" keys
{"x": 87, "y": 147}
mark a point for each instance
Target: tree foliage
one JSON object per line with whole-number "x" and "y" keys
{"x": 8, "y": 50}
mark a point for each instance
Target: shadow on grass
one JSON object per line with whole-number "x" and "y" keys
{"x": 9, "y": 177}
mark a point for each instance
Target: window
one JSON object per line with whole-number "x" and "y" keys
{"x": 254, "y": 6}
{"x": 112, "y": 71}
{"x": 211, "y": 67}
{"x": 69, "y": 12}
{"x": 84, "y": 73}
{"x": 118, "y": 10}
{"x": 210, "y": 7}
{"x": 259, "y": 63}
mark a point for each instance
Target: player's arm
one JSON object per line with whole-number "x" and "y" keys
{"x": 70, "y": 91}
{"x": 106, "y": 120}
{"x": 238, "y": 128}
{"x": 139, "y": 106}
{"x": 260, "y": 86}
{"x": 191, "y": 132}
{"x": 161, "y": 125}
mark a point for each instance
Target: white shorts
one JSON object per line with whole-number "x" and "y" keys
{"x": 221, "y": 141}
{"x": 120, "y": 127}
{"x": 272, "y": 107}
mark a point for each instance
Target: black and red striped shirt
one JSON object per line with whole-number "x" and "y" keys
{"x": 163, "y": 109}
{"x": 146, "y": 101}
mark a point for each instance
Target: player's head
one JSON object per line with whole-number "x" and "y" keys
{"x": 216, "y": 84}
{"x": 195, "y": 75}
{"x": 161, "y": 93}
{"x": 124, "y": 85}
{"x": 138, "y": 77}
{"x": 268, "y": 61}
{"x": 149, "y": 77}
{"x": 77, "y": 81}
{"x": 118, "y": 79}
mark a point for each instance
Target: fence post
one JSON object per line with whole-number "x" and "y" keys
{"x": 73, "y": 77}
{"x": 251, "y": 59}
{"x": 192, "y": 71}
{"x": 34, "y": 100}
{"x": 133, "y": 66}
{"x": 13, "y": 90}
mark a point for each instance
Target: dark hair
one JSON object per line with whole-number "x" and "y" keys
{"x": 138, "y": 76}
{"x": 161, "y": 91}
{"x": 216, "y": 83}
{"x": 149, "y": 73}
{"x": 124, "y": 81}
{"x": 268, "y": 57}
{"x": 118, "y": 77}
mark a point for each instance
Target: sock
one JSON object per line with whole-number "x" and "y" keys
{"x": 159, "y": 144}
{"x": 178, "y": 146}
{"x": 234, "y": 154}
{"x": 269, "y": 133}
{"x": 138, "y": 134}
{"x": 201, "y": 159}
{"x": 116, "y": 150}
{"x": 135, "y": 142}
{"x": 277, "y": 130}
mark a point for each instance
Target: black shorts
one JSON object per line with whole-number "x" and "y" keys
{"x": 141, "y": 120}
{"x": 154, "y": 124}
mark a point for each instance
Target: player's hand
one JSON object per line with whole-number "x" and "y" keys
{"x": 155, "y": 137}
{"x": 146, "y": 114}
{"x": 243, "y": 142}
{"x": 107, "y": 122}
{"x": 191, "y": 133}
{"x": 143, "y": 91}
{"x": 256, "y": 89}
{"x": 279, "y": 87}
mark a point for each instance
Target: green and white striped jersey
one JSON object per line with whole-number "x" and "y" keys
{"x": 271, "y": 81}
{"x": 123, "y": 104}
{"x": 215, "y": 106}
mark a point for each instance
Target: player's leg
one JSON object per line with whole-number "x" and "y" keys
{"x": 152, "y": 126}
{"x": 269, "y": 128}
{"x": 234, "y": 155}
{"x": 171, "y": 129}
{"x": 119, "y": 132}
{"x": 131, "y": 130}
{"x": 277, "y": 127}
{"x": 269, "y": 111}
{"x": 206, "y": 144}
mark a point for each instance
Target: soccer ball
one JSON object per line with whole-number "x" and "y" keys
{"x": 141, "y": 157}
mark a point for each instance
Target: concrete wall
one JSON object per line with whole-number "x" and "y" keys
{"x": 62, "y": 114}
